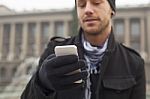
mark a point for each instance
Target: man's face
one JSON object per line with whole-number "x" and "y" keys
{"x": 94, "y": 15}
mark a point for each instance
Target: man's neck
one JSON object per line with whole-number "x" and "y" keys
{"x": 100, "y": 39}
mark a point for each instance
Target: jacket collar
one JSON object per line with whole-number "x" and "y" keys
{"x": 111, "y": 41}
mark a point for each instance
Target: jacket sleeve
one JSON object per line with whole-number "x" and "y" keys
{"x": 34, "y": 89}
{"x": 139, "y": 90}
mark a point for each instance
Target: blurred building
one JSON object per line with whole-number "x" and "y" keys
{"x": 25, "y": 34}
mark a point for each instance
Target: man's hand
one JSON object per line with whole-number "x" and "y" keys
{"x": 62, "y": 72}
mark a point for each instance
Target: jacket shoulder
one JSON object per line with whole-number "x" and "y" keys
{"x": 131, "y": 50}
{"x": 62, "y": 40}
{"x": 136, "y": 62}
{"x": 58, "y": 39}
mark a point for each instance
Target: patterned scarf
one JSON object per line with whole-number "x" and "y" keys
{"x": 93, "y": 56}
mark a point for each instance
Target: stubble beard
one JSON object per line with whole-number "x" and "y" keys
{"x": 100, "y": 30}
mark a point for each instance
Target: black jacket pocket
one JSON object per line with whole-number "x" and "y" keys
{"x": 119, "y": 83}
{"x": 118, "y": 87}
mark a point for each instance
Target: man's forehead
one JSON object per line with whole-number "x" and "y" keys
{"x": 111, "y": 2}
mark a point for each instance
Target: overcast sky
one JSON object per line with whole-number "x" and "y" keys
{"x": 20, "y": 5}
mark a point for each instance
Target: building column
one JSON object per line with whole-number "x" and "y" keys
{"x": 37, "y": 39}
{"x": 1, "y": 40}
{"x": 12, "y": 42}
{"x": 51, "y": 27}
{"x": 24, "y": 40}
{"x": 142, "y": 45}
{"x": 127, "y": 32}
{"x": 66, "y": 28}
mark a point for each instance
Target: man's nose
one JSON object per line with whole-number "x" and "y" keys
{"x": 88, "y": 9}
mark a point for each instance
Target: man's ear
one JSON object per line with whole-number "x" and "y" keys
{"x": 113, "y": 13}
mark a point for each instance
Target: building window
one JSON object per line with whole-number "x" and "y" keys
{"x": 14, "y": 70}
{"x": 146, "y": 38}
{"x": 18, "y": 39}
{"x": 31, "y": 39}
{"x": 135, "y": 34}
{"x": 70, "y": 28}
{"x": 2, "y": 73}
{"x": 119, "y": 29}
{"x": 44, "y": 34}
{"x": 59, "y": 28}
{"x": 6, "y": 40}
{"x": 45, "y": 31}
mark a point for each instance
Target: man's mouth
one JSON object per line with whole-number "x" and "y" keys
{"x": 90, "y": 20}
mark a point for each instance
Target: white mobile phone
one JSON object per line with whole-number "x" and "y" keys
{"x": 67, "y": 50}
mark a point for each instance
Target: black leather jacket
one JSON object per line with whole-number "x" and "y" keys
{"x": 122, "y": 73}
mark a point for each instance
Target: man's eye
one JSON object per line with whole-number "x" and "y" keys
{"x": 81, "y": 4}
{"x": 97, "y": 2}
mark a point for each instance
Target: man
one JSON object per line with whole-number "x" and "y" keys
{"x": 109, "y": 70}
